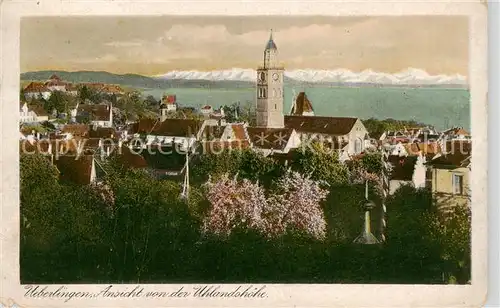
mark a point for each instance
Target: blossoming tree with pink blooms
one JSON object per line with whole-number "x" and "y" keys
{"x": 294, "y": 205}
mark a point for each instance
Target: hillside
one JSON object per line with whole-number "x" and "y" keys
{"x": 131, "y": 80}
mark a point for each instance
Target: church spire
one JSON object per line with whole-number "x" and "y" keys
{"x": 270, "y": 43}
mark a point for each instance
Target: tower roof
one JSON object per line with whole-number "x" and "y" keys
{"x": 270, "y": 43}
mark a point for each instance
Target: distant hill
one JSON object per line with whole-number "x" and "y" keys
{"x": 132, "y": 80}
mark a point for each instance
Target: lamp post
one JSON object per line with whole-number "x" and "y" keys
{"x": 366, "y": 236}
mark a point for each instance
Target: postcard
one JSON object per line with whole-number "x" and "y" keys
{"x": 170, "y": 154}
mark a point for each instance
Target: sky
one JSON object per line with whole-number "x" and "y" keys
{"x": 159, "y": 44}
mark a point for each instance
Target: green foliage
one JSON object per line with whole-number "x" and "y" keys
{"x": 69, "y": 234}
{"x": 321, "y": 163}
{"x": 375, "y": 126}
{"x": 372, "y": 162}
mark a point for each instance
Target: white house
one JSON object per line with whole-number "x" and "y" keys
{"x": 99, "y": 115}
{"x": 36, "y": 90}
{"x": 54, "y": 83}
{"x": 344, "y": 130}
{"x": 32, "y": 114}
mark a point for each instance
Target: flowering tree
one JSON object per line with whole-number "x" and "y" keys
{"x": 233, "y": 205}
{"x": 243, "y": 204}
{"x": 296, "y": 205}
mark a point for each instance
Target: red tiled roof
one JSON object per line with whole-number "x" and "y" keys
{"x": 76, "y": 169}
{"x": 37, "y": 109}
{"x": 102, "y": 132}
{"x": 455, "y": 159}
{"x": 302, "y": 104}
{"x": 323, "y": 125}
{"x": 77, "y": 129}
{"x": 427, "y": 149}
{"x": 36, "y": 87}
{"x": 169, "y": 99}
{"x": 269, "y": 138}
{"x": 177, "y": 128}
{"x": 97, "y": 112}
{"x": 456, "y": 131}
{"x": 239, "y": 131}
{"x": 130, "y": 159}
{"x": 219, "y": 146}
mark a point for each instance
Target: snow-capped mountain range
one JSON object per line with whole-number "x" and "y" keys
{"x": 411, "y": 76}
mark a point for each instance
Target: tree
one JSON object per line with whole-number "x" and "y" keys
{"x": 294, "y": 206}
{"x": 321, "y": 163}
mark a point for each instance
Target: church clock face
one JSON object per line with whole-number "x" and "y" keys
{"x": 276, "y": 76}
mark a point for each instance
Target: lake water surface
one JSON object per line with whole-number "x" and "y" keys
{"x": 439, "y": 107}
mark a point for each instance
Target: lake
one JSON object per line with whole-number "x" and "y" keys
{"x": 439, "y": 107}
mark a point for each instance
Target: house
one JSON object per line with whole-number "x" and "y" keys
{"x": 98, "y": 115}
{"x": 350, "y": 130}
{"x": 450, "y": 176}
{"x": 206, "y": 110}
{"x": 169, "y": 102}
{"x": 54, "y": 83}
{"x": 36, "y": 90}
{"x": 183, "y": 132}
{"x": 408, "y": 170}
{"x": 32, "y": 113}
{"x": 302, "y": 106}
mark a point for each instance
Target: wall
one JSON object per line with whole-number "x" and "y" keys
{"x": 442, "y": 187}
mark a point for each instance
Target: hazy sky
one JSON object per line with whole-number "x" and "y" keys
{"x": 155, "y": 45}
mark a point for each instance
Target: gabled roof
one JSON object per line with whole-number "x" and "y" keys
{"x": 302, "y": 104}
{"x": 427, "y": 149}
{"x": 97, "y": 112}
{"x": 102, "y": 132}
{"x": 456, "y": 131}
{"x": 36, "y": 87}
{"x": 336, "y": 126}
{"x": 269, "y": 138}
{"x": 456, "y": 160}
{"x": 177, "y": 128}
{"x": 131, "y": 159}
{"x": 239, "y": 131}
{"x": 217, "y": 146}
{"x": 76, "y": 129}
{"x": 75, "y": 169}
{"x": 37, "y": 109}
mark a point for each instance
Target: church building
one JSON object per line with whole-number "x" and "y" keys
{"x": 277, "y": 133}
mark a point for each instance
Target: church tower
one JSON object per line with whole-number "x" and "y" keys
{"x": 270, "y": 89}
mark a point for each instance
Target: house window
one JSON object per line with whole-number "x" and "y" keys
{"x": 458, "y": 184}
